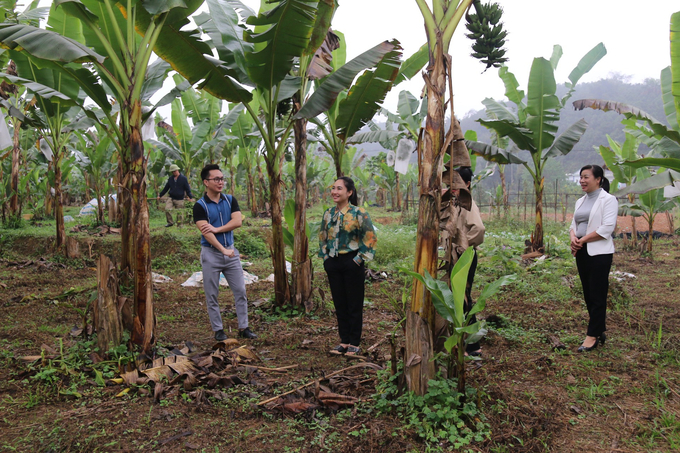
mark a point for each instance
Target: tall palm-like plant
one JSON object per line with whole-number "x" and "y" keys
{"x": 441, "y": 20}
{"x": 533, "y": 126}
{"x": 117, "y": 41}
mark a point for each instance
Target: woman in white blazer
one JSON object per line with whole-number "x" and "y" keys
{"x": 591, "y": 233}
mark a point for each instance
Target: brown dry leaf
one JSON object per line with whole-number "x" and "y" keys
{"x": 246, "y": 353}
{"x": 156, "y": 374}
{"x": 76, "y": 331}
{"x": 31, "y": 358}
{"x": 130, "y": 377}
{"x": 203, "y": 362}
{"x": 96, "y": 358}
{"x": 3, "y": 285}
{"x": 226, "y": 345}
{"x": 181, "y": 364}
{"x": 299, "y": 406}
{"x": 334, "y": 399}
{"x": 48, "y": 349}
{"x": 158, "y": 391}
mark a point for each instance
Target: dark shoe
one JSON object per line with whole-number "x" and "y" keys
{"x": 169, "y": 225}
{"x": 353, "y": 350}
{"x": 338, "y": 350}
{"x": 220, "y": 335}
{"x": 602, "y": 338}
{"x": 477, "y": 353}
{"x": 247, "y": 333}
{"x": 587, "y": 349}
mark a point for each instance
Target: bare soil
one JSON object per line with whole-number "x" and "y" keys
{"x": 614, "y": 399}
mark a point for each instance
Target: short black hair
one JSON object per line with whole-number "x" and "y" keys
{"x": 465, "y": 173}
{"x": 205, "y": 173}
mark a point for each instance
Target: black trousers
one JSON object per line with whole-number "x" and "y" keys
{"x": 472, "y": 347}
{"x": 594, "y": 274}
{"x": 346, "y": 280}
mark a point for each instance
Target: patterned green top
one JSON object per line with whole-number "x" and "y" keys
{"x": 346, "y": 231}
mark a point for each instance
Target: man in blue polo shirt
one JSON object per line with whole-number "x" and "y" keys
{"x": 217, "y": 216}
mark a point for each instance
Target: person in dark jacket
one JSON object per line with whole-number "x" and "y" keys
{"x": 177, "y": 186}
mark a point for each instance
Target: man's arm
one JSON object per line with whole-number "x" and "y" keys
{"x": 165, "y": 189}
{"x": 187, "y": 188}
{"x": 210, "y": 237}
{"x": 235, "y": 222}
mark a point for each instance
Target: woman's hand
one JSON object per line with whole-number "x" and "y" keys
{"x": 576, "y": 245}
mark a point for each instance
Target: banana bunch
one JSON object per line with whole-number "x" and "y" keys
{"x": 487, "y": 32}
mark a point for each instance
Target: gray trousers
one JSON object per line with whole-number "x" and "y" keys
{"x": 214, "y": 263}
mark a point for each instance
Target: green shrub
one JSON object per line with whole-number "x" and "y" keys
{"x": 395, "y": 245}
{"x": 13, "y": 222}
{"x": 251, "y": 245}
{"x": 441, "y": 417}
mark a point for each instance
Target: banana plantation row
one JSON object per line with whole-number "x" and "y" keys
{"x": 82, "y": 93}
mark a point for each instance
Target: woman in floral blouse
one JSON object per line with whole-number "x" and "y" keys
{"x": 346, "y": 241}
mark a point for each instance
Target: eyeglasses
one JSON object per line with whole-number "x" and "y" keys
{"x": 215, "y": 179}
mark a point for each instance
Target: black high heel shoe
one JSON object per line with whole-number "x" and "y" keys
{"x": 602, "y": 338}
{"x": 588, "y": 349}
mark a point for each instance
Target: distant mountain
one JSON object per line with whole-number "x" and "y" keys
{"x": 645, "y": 96}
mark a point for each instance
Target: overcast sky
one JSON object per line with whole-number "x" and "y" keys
{"x": 636, "y": 37}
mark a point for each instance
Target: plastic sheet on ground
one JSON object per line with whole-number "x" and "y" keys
{"x": 289, "y": 269}
{"x": 91, "y": 207}
{"x": 621, "y": 276}
{"x": 158, "y": 278}
{"x": 196, "y": 279}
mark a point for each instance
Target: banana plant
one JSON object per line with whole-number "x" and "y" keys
{"x": 116, "y": 41}
{"x": 649, "y": 204}
{"x": 347, "y": 106}
{"x": 449, "y": 301}
{"x": 96, "y": 156}
{"x": 532, "y": 127}
{"x": 663, "y": 139}
{"x": 286, "y": 34}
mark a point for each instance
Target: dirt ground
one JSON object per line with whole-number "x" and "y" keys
{"x": 616, "y": 399}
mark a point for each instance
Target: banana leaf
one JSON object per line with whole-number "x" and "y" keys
{"x": 493, "y": 153}
{"x": 542, "y": 104}
{"x": 413, "y": 64}
{"x": 499, "y": 110}
{"x": 567, "y": 139}
{"x": 289, "y": 27}
{"x": 326, "y": 94}
{"x": 364, "y": 97}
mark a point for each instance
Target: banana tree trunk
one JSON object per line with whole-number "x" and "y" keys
{"x": 504, "y": 187}
{"x": 251, "y": 194}
{"x": 398, "y": 193}
{"x": 633, "y": 230}
{"x": 537, "y": 235}
{"x": 16, "y": 156}
{"x": 650, "y": 232}
{"x": 136, "y": 221}
{"x": 263, "y": 186}
{"x": 419, "y": 368}
{"x": 338, "y": 166}
{"x": 281, "y": 289}
{"x": 49, "y": 198}
{"x": 302, "y": 265}
{"x": 58, "y": 208}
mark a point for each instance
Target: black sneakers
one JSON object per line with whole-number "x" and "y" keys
{"x": 220, "y": 335}
{"x": 247, "y": 333}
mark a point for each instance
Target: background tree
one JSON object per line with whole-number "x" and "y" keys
{"x": 533, "y": 127}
